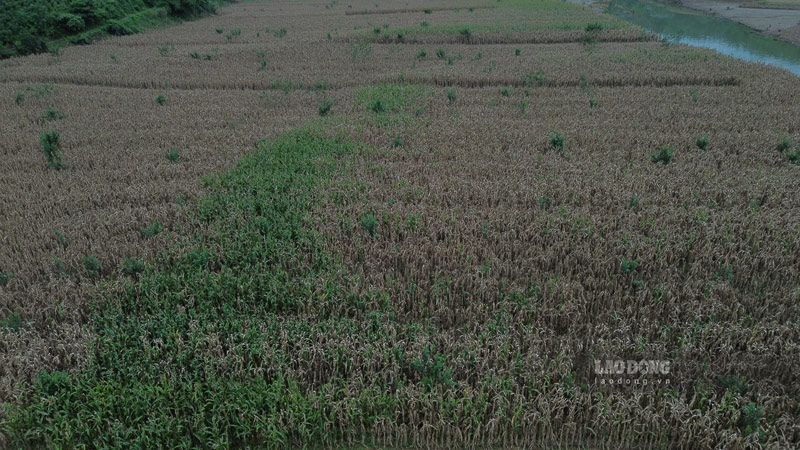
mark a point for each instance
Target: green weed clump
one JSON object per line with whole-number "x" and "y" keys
{"x": 151, "y": 230}
{"x": 663, "y": 155}
{"x": 431, "y": 369}
{"x": 440, "y": 53}
{"x": 534, "y": 79}
{"x": 51, "y": 145}
{"x": 370, "y": 223}
{"x": 13, "y": 322}
{"x": 92, "y": 265}
{"x": 161, "y": 99}
{"x": 173, "y": 155}
{"x": 451, "y": 95}
{"x": 53, "y": 114}
{"x": 132, "y": 266}
{"x": 505, "y": 92}
{"x": 324, "y": 107}
{"x": 398, "y": 140}
{"x": 422, "y": 53}
{"x": 594, "y": 27}
{"x": 557, "y": 141}
{"x": 5, "y": 278}
{"x": 702, "y": 142}
{"x": 787, "y": 147}
{"x": 517, "y": 52}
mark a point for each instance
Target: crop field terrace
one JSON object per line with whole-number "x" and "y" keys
{"x": 397, "y": 224}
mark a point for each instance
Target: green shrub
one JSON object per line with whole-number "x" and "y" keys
{"x": 593, "y": 27}
{"x": 592, "y": 103}
{"x": 91, "y": 264}
{"x": 377, "y": 30}
{"x": 377, "y": 106}
{"x": 440, "y": 53}
{"x": 62, "y": 239}
{"x": 794, "y": 155}
{"x": 465, "y": 32}
{"x": 132, "y": 266}
{"x": 663, "y": 155}
{"x": 505, "y": 92}
{"x": 220, "y": 30}
{"x": 428, "y": 11}
{"x": 431, "y": 369}
{"x": 451, "y": 95}
{"x": 51, "y": 143}
{"x": 534, "y": 79}
{"x": 422, "y": 54}
{"x": 325, "y": 107}
{"x": 629, "y": 266}
{"x": 633, "y": 203}
{"x": 173, "y": 154}
{"x": 370, "y": 223}
{"x": 13, "y": 322}
{"x": 19, "y": 97}
{"x": 517, "y": 51}
{"x": 164, "y": 50}
{"x": 398, "y": 140}
{"x": 786, "y": 144}
{"x": 161, "y": 99}
{"x": 733, "y": 383}
{"x": 234, "y": 34}
{"x": 194, "y": 55}
{"x": 751, "y": 416}
{"x": 5, "y": 278}
{"x": 557, "y": 141}
{"x": 53, "y": 114}
{"x": 151, "y": 230}
{"x": 545, "y": 202}
{"x": 702, "y": 142}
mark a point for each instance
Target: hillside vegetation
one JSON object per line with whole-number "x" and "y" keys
{"x": 36, "y": 26}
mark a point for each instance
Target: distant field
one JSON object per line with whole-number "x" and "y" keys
{"x": 397, "y": 224}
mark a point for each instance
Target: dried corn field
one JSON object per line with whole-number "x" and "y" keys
{"x": 497, "y": 225}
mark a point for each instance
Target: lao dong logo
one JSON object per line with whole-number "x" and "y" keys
{"x": 632, "y": 372}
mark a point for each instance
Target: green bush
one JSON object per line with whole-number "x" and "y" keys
{"x": 132, "y": 266}
{"x": 151, "y": 230}
{"x": 629, "y": 266}
{"x": 173, "y": 154}
{"x": 325, "y": 107}
{"x": 161, "y": 99}
{"x": 398, "y": 140}
{"x": 663, "y": 155}
{"x": 534, "y": 79}
{"x": 422, "y": 53}
{"x": 53, "y": 114}
{"x": 370, "y": 223}
{"x": 702, "y": 142}
{"x": 451, "y": 95}
{"x": 51, "y": 144}
{"x": 5, "y": 278}
{"x": 505, "y": 92}
{"x": 557, "y": 141}
{"x": 517, "y": 51}
{"x": 13, "y": 322}
{"x": 593, "y": 26}
{"x": 92, "y": 265}
{"x": 440, "y": 53}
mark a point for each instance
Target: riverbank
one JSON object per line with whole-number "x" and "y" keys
{"x": 775, "y": 22}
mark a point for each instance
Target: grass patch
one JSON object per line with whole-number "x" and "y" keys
{"x": 391, "y": 103}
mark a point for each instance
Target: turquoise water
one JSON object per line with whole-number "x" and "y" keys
{"x": 724, "y": 36}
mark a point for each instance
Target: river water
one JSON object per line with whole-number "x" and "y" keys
{"x": 724, "y": 36}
